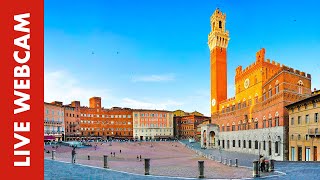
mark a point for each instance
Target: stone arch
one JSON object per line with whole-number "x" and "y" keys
{"x": 277, "y": 114}
{"x": 270, "y": 87}
{"x": 212, "y": 139}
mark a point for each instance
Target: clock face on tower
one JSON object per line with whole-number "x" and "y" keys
{"x": 213, "y": 102}
{"x": 246, "y": 83}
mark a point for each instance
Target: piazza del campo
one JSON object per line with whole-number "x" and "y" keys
{"x": 125, "y": 143}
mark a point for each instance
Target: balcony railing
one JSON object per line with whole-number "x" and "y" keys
{"x": 53, "y": 122}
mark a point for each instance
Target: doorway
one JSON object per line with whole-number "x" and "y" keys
{"x": 299, "y": 153}
{"x": 307, "y": 153}
{"x": 315, "y": 152}
{"x": 293, "y": 153}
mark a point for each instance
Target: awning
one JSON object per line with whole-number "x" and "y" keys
{"x": 49, "y": 137}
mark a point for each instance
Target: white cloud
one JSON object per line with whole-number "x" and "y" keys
{"x": 154, "y": 78}
{"x": 136, "y": 104}
{"x": 62, "y": 86}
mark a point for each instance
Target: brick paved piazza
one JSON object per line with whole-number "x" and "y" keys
{"x": 167, "y": 159}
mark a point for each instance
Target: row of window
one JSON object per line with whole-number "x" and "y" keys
{"x": 270, "y": 92}
{"x": 248, "y": 126}
{"x": 226, "y": 144}
{"x": 106, "y": 129}
{"x": 314, "y": 105}
{"x": 53, "y": 120}
{"x": 105, "y": 122}
{"x": 150, "y": 115}
{"x": 52, "y": 112}
{"x": 152, "y": 119}
{"x": 105, "y": 134}
{"x": 307, "y": 119}
{"x": 105, "y": 116}
{"x": 151, "y": 125}
{"x": 71, "y": 115}
{"x": 306, "y": 137}
{"x": 153, "y": 130}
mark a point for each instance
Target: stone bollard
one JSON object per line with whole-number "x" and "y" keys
{"x": 271, "y": 165}
{"x": 255, "y": 172}
{"x": 225, "y": 161}
{"x": 230, "y": 162}
{"x": 53, "y": 154}
{"x": 201, "y": 169}
{"x": 88, "y": 157}
{"x": 220, "y": 159}
{"x": 146, "y": 166}
{"x": 105, "y": 161}
{"x": 236, "y": 164}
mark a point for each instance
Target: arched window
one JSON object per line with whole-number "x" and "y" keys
{"x": 277, "y": 87}
{"x": 270, "y": 91}
{"x": 264, "y": 122}
{"x": 220, "y": 24}
{"x": 276, "y": 119}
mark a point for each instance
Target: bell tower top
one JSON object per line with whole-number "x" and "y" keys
{"x": 218, "y": 37}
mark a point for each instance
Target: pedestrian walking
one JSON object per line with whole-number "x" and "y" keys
{"x": 137, "y": 158}
{"x": 262, "y": 163}
{"x": 120, "y": 151}
{"x": 140, "y": 157}
{"x": 73, "y": 153}
{"x": 114, "y": 154}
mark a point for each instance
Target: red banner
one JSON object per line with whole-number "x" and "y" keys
{"x": 21, "y": 82}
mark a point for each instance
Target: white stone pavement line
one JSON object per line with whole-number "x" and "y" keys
{"x": 275, "y": 175}
{"x": 170, "y": 177}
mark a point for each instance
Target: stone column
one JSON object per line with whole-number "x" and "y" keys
{"x": 146, "y": 166}
{"x": 201, "y": 169}
{"x": 202, "y": 142}
{"x": 271, "y": 165}
{"x": 255, "y": 169}
{"x": 225, "y": 161}
{"x": 105, "y": 161}
{"x": 53, "y": 154}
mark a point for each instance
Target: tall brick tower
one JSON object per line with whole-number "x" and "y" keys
{"x": 218, "y": 41}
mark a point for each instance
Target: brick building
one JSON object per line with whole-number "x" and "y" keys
{"x": 152, "y": 124}
{"x": 97, "y": 122}
{"x": 304, "y": 136}
{"x": 256, "y": 115}
{"x": 186, "y": 126}
{"x": 54, "y": 121}
{"x": 72, "y": 120}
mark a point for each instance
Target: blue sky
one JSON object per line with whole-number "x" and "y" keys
{"x": 154, "y": 54}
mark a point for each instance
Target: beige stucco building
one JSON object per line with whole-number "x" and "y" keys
{"x": 304, "y": 136}
{"x": 54, "y": 121}
{"x": 152, "y": 124}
